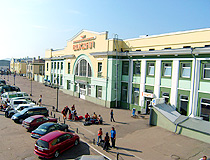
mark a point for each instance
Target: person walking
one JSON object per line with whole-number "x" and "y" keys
{"x": 113, "y": 137}
{"x": 100, "y": 133}
{"x": 106, "y": 142}
{"x": 112, "y": 115}
{"x": 40, "y": 100}
{"x": 65, "y": 112}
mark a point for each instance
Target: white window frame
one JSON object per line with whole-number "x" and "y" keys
{"x": 183, "y": 68}
{"x": 204, "y": 71}
{"x": 165, "y": 67}
{"x": 151, "y": 65}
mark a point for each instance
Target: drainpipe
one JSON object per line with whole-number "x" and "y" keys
{"x": 193, "y": 90}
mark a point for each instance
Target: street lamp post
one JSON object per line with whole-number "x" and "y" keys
{"x": 31, "y": 85}
{"x": 14, "y": 78}
{"x": 57, "y": 96}
{"x": 8, "y": 75}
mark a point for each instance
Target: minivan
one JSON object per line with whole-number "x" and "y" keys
{"x": 27, "y": 112}
{"x": 54, "y": 143}
{"x": 6, "y": 97}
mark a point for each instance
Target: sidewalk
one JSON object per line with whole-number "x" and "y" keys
{"x": 135, "y": 138}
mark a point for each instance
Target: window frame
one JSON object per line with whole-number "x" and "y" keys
{"x": 203, "y": 68}
{"x": 182, "y": 70}
{"x": 148, "y": 68}
{"x": 165, "y": 67}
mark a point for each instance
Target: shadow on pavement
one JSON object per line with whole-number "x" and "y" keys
{"x": 128, "y": 149}
{"x": 124, "y": 154}
{"x": 121, "y": 122}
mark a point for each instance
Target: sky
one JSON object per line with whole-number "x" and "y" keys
{"x": 29, "y": 27}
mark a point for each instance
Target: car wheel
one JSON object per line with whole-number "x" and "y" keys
{"x": 6, "y": 114}
{"x": 56, "y": 154}
{"x": 21, "y": 120}
{"x": 76, "y": 142}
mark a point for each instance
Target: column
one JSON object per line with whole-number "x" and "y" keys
{"x": 157, "y": 78}
{"x": 130, "y": 81}
{"x": 142, "y": 84}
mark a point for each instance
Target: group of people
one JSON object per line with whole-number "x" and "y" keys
{"x": 107, "y": 138}
{"x": 72, "y": 112}
{"x": 94, "y": 117}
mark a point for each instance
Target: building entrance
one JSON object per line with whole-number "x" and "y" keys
{"x": 82, "y": 91}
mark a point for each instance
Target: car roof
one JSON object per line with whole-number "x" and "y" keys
{"x": 91, "y": 157}
{"x": 35, "y": 107}
{"x": 19, "y": 100}
{"x": 37, "y": 116}
{"x": 49, "y": 124}
{"x": 52, "y": 135}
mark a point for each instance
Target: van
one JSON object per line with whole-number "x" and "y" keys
{"x": 27, "y": 112}
{"x": 7, "y": 96}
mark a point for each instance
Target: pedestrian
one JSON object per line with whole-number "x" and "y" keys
{"x": 204, "y": 158}
{"x": 87, "y": 117}
{"x": 100, "y": 119}
{"x": 113, "y": 137}
{"x": 112, "y": 115}
{"x": 100, "y": 133}
{"x": 65, "y": 112}
{"x": 40, "y": 100}
{"x": 95, "y": 116}
{"x": 106, "y": 141}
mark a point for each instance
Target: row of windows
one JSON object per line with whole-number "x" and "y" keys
{"x": 185, "y": 69}
{"x": 56, "y": 64}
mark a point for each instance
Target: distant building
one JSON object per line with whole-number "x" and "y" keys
{"x": 19, "y": 65}
{"x": 35, "y": 69}
{"x": 130, "y": 73}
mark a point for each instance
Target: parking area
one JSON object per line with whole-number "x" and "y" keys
{"x": 136, "y": 139}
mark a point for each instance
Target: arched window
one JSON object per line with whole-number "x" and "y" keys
{"x": 83, "y": 68}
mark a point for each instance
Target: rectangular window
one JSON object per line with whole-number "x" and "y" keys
{"x": 99, "y": 69}
{"x": 183, "y": 103}
{"x": 205, "y": 109}
{"x": 167, "y": 69}
{"x": 125, "y": 67}
{"x": 61, "y": 80}
{"x": 47, "y": 66}
{"x": 124, "y": 93}
{"x": 58, "y": 65}
{"x": 166, "y": 96}
{"x": 68, "y": 84}
{"x": 89, "y": 71}
{"x": 151, "y": 69}
{"x": 137, "y": 66}
{"x": 68, "y": 67}
{"x": 54, "y": 65}
{"x": 185, "y": 70}
{"x": 99, "y": 92}
{"x": 136, "y": 96}
{"x": 206, "y": 71}
{"x": 61, "y": 65}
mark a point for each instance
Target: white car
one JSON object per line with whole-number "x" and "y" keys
{"x": 7, "y": 96}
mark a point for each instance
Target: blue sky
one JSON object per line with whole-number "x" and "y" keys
{"x": 29, "y": 27}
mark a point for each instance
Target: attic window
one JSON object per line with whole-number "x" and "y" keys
{"x": 167, "y": 48}
{"x": 138, "y": 50}
{"x": 207, "y": 46}
{"x": 152, "y": 49}
{"x": 186, "y": 46}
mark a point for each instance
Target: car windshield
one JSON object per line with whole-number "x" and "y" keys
{"x": 29, "y": 119}
{"x": 42, "y": 144}
{"x": 24, "y": 111}
{"x": 20, "y": 102}
{"x": 42, "y": 128}
{"x": 21, "y": 108}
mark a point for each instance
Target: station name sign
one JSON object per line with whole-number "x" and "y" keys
{"x": 84, "y": 43}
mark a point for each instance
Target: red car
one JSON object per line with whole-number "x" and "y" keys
{"x": 31, "y": 123}
{"x": 54, "y": 143}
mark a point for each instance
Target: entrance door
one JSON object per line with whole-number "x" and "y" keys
{"x": 82, "y": 91}
{"x": 148, "y": 104}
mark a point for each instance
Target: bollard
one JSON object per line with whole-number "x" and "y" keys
{"x": 118, "y": 155}
{"x": 64, "y": 121}
{"x": 53, "y": 108}
{"x": 94, "y": 141}
{"x": 54, "y": 115}
{"x": 51, "y": 113}
{"x": 77, "y": 130}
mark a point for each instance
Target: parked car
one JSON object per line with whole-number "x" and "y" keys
{"x": 10, "y": 112}
{"x": 7, "y": 96}
{"x": 54, "y": 143}
{"x": 48, "y": 127}
{"x": 16, "y": 101}
{"x": 8, "y": 88}
{"x": 2, "y": 82}
{"x": 27, "y": 112}
{"x": 31, "y": 123}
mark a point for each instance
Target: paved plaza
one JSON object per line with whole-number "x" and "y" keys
{"x": 136, "y": 139}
